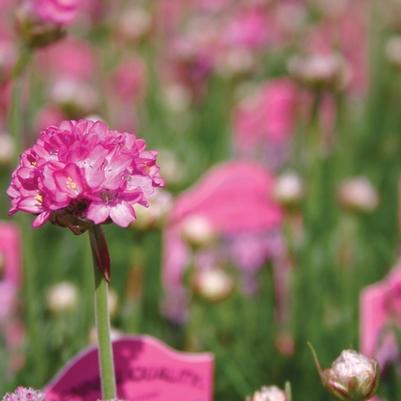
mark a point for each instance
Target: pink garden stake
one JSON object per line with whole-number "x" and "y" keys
{"x": 80, "y": 175}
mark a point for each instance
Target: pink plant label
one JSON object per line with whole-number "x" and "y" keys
{"x": 146, "y": 370}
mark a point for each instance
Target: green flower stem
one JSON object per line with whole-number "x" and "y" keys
{"x": 15, "y": 114}
{"x": 107, "y": 375}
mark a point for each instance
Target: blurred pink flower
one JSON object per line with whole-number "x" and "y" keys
{"x": 8, "y": 54}
{"x": 48, "y": 116}
{"x": 266, "y": 118}
{"x": 70, "y": 58}
{"x": 8, "y": 297}
{"x": 60, "y": 12}
{"x": 80, "y": 173}
{"x": 10, "y": 252}
{"x": 249, "y": 28}
{"x": 346, "y": 33}
{"x": 236, "y": 198}
{"x": 129, "y": 80}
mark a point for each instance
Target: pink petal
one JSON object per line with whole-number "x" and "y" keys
{"x": 122, "y": 214}
{"x": 98, "y": 213}
{"x": 69, "y": 180}
{"x": 41, "y": 219}
{"x": 30, "y": 205}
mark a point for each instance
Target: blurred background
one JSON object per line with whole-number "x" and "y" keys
{"x": 278, "y": 130}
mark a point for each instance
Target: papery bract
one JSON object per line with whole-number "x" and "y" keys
{"x": 24, "y": 394}
{"x": 80, "y": 173}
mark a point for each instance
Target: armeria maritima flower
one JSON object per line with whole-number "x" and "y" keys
{"x": 60, "y": 12}
{"x": 24, "y": 394}
{"x": 82, "y": 173}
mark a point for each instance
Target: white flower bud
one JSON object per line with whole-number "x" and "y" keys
{"x": 62, "y": 297}
{"x": 393, "y": 50}
{"x": 358, "y": 195}
{"x": 7, "y": 148}
{"x": 214, "y": 285}
{"x": 197, "y": 231}
{"x": 154, "y": 216}
{"x": 352, "y": 376}
{"x": 269, "y": 393}
{"x": 289, "y": 189}
{"x": 320, "y": 71}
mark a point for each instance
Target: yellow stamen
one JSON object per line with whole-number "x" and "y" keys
{"x": 71, "y": 184}
{"x": 39, "y": 198}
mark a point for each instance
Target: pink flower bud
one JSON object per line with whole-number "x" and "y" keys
{"x": 352, "y": 376}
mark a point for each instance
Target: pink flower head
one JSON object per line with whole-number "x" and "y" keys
{"x": 129, "y": 80}
{"x": 265, "y": 120}
{"x": 248, "y": 29}
{"x": 59, "y": 12}
{"x": 24, "y": 394}
{"x": 267, "y": 114}
{"x": 70, "y": 58}
{"x": 81, "y": 173}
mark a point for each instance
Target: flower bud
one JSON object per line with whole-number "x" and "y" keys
{"x": 62, "y": 297}
{"x": 34, "y": 31}
{"x": 197, "y": 231}
{"x": 177, "y": 97}
{"x": 320, "y": 71}
{"x": 269, "y": 393}
{"x": 214, "y": 285}
{"x": 75, "y": 98}
{"x": 358, "y": 195}
{"x": 172, "y": 170}
{"x": 154, "y": 216}
{"x": 289, "y": 189}
{"x": 393, "y": 50}
{"x": 24, "y": 394}
{"x": 134, "y": 24}
{"x": 7, "y": 148}
{"x": 352, "y": 376}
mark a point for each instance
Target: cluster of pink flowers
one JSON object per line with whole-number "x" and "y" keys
{"x": 266, "y": 119}
{"x": 80, "y": 173}
{"x": 24, "y": 394}
{"x": 60, "y": 12}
